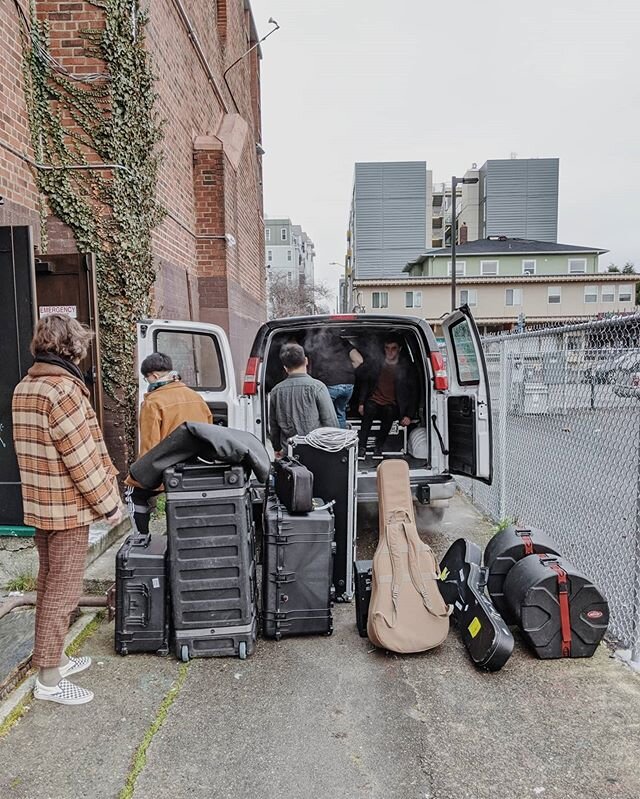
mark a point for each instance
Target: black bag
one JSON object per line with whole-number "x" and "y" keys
{"x": 559, "y": 610}
{"x": 362, "y": 575}
{"x": 141, "y": 595}
{"x": 504, "y": 550}
{"x": 297, "y": 571}
{"x": 485, "y": 635}
{"x": 293, "y": 485}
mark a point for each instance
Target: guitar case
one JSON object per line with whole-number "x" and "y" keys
{"x": 462, "y": 583}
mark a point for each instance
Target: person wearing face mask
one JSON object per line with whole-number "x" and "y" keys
{"x": 387, "y": 393}
{"x": 167, "y": 404}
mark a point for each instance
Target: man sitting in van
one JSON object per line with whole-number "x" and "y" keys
{"x": 167, "y": 404}
{"x": 298, "y": 404}
{"x": 388, "y": 391}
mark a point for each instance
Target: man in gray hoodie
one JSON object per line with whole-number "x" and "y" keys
{"x": 298, "y": 404}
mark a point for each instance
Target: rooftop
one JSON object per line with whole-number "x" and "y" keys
{"x": 503, "y": 245}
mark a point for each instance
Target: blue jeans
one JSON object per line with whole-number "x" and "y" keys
{"x": 340, "y": 395}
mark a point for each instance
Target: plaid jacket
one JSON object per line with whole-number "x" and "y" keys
{"x": 68, "y": 479}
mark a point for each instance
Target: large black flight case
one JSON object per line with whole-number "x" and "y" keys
{"x": 211, "y": 560}
{"x": 297, "y": 570}
{"x": 141, "y": 603}
{"x": 334, "y": 479}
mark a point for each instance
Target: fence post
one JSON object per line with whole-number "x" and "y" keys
{"x": 635, "y": 605}
{"x": 501, "y": 444}
{"x": 564, "y": 375}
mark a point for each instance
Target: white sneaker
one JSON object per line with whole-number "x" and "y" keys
{"x": 65, "y": 693}
{"x": 74, "y": 666}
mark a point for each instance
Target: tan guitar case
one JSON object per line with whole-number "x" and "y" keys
{"x": 407, "y": 612}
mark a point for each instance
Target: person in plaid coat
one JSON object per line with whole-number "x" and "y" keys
{"x": 68, "y": 481}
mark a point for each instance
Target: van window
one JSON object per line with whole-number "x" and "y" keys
{"x": 464, "y": 353}
{"x": 196, "y": 357}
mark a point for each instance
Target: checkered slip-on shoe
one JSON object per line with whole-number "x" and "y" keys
{"x": 75, "y": 665}
{"x": 65, "y": 693}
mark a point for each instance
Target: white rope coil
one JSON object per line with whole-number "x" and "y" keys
{"x": 331, "y": 439}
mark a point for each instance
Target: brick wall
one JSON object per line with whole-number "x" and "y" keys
{"x": 17, "y": 185}
{"x": 207, "y": 191}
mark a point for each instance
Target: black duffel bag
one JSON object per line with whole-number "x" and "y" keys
{"x": 293, "y": 485}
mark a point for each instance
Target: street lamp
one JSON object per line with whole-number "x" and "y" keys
{"x": 455, "y": 182}
{"x": 340, "y": 298}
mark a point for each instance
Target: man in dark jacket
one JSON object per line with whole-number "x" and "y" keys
{"x": 298, "y": 404}
{"x": 388, "y": 392}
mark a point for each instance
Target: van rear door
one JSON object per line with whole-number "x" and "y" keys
{"x": 468, "y": 404}
{"x": 202, "y": 357}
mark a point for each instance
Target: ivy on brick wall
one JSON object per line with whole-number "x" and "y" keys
{"x": 109, "y": 117}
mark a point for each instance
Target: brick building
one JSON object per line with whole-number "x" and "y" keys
{"x": 209, "y": 249}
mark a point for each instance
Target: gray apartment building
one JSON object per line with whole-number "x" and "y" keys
{"x": 388, "y": 219}
{"x": 288, "y": 251}
{"x": 518, "y": 198}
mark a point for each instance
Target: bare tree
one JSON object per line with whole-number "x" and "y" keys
{"x": 293, "y": 298}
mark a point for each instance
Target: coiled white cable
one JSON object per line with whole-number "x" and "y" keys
{"x": 331, "y": 439}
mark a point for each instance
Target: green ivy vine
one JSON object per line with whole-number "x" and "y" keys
{"x": 112, "y": 213}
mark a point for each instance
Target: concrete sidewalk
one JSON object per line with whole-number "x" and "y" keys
{"x": 327, "y": 717}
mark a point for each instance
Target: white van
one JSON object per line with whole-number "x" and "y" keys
{"x": 450, "y": 435}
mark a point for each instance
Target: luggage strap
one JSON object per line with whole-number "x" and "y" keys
{"x": 413, "y": 541}
{"x": 563, "y": 599}
{"x": 528, "y": 544}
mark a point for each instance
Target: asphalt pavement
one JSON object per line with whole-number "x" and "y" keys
{"x": 325, "y": 717}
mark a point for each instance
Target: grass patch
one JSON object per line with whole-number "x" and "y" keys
{"x": 89, "y": 630}
{"x": 16, "y": 714}
{"x": 502, "y": 525}
{"x": 140, "y": 757}
{"x": 23, "y": 582}
{"x": 160, "y": 508}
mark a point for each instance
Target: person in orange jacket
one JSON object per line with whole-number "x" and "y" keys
{"x": 167, "y": 404}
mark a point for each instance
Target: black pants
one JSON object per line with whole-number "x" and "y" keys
{"x": 139, "y": 504}
{"x": 387, "y": 414}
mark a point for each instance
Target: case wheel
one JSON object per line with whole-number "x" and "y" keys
{"x": 184, "y": 653}
{"x": 242, "y": 650}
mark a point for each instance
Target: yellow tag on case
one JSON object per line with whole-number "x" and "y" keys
{"x": 475, "y": 626}
{"x": 444, "y": 573}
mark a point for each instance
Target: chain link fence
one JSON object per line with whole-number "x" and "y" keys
{"x": 566, "y": 451}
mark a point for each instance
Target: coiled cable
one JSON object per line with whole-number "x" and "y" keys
{"x": 331, "y": 439}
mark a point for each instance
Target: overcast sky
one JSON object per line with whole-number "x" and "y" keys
{"x": 374, "y": 80}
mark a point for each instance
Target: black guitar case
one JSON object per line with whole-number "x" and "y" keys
{"x": 462, "y": 584}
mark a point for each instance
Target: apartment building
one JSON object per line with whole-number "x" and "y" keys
{"x": 505, "y": 282}
{"x": 288, "y": 251}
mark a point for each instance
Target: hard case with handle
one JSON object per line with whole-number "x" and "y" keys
{"x": 142, "y": 621}
{"x": 293, "y": 485}
{"x": 503, "y": 551}
{"x": 484, "y": 632}
{"x": 297, "y": 570}
{"x": 560, "y": 611}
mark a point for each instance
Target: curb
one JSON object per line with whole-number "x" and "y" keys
{"x": 24, "y": 689}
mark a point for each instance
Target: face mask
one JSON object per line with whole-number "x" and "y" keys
{"x": 169, "y": 378}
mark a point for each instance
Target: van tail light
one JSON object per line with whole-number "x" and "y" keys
{"x": 440, "y": 379}
{"x": 250, "y": 383}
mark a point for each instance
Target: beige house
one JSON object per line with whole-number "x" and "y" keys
{"x": 505, "y": 282}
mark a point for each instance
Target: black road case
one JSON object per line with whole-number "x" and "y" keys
{"x": 504, "y": 550}
{"x": 297, "y": 571}
{"x": 485, "y": 635}
{"x": 559, "y": 610}
{"x": 211, "y": 560}
{"x": 141, "y": 595}
{"x": 334, "y": 479}
{"x": 362, "y": 574}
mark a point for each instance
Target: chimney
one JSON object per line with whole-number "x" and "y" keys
{"x": 463, "y": 233}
